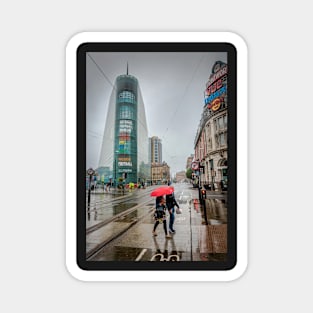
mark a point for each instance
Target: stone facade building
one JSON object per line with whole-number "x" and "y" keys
{"x": 180, "y": 176}
{"x": 189, "y": 161}
{"x": 211, "y": 138}
{"x": 160, "y": 173}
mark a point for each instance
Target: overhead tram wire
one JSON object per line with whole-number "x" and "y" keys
{"x": 101, "y": 71}
{"x": 177, "y": 107}
{"x": 185, "y": 92}
{"x": 108, "y": 80}
{"x": 93, "y": 133}
{"x": 184, "y": 95}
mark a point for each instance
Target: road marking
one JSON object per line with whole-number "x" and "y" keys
{"x": 171, "y": 257}
{"x": 143, "y": 251}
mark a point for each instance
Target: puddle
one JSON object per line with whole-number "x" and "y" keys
{"x": 117, "y": 253}
{"x": 121, "y": 207}
{"x": 216, "y": 211}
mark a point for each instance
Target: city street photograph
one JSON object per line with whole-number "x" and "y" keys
{"x": 156, "y": 165}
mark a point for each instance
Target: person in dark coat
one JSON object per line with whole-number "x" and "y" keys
{"x": 158, "y": 200}
{"x": 160, "y": 217}
{"x": 171, "y": 203}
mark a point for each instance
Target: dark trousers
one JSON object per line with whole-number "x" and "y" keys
{"x": 164, "y": 226}
{"x": 171, "y": 223}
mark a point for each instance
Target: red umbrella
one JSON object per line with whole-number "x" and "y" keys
{"x": 161, "y": 191}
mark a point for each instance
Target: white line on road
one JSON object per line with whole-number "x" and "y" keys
{"x": 143, "y": 251}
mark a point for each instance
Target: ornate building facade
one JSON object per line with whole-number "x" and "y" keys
{"x": 211, "y": 139}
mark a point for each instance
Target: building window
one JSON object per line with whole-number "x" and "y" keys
{"x": 126, "y": 96}
{"x": 221, "y": 139}
{"x": 208, "y": 135}
{"x": 126, "y": 126}
{"x": 126, "y": 112}
{"x": 220, "y": 123}
{"x": 225, "y": 120}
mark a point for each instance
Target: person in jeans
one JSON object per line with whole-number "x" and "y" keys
{"x": 171, "y": 203}
{"x": 160, "y": 217}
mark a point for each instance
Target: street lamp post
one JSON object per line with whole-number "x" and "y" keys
{"x": 199, "y": 186}
{"x": 117, "y": 151}
{"x": 203, "y": 194}
{"x": 90, "y": 172}
{"x": 115, "y": 173}
{"x": 213, "y": 174}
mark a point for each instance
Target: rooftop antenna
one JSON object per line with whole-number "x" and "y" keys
{"x": 127, "y": 69}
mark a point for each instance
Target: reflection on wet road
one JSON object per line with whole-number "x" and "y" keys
{"x": 104, "y": 207}
{"x": 120, "y": 228}
{"x": 216, "y": 211}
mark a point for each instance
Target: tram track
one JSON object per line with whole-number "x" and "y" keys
{"x": 99, "y": 204}
{"x": 115, "y": 217}
{"x": 121, "y": 216}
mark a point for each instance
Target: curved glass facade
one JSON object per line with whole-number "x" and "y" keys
{"x": 125, "y": 143}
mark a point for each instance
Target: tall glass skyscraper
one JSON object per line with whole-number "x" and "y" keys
{"x": 125, "y": 146}
{"x": 155, "y": 147}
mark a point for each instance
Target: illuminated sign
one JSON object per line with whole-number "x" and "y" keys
{"x": 215, "y": 95}
{"x": 214, "y": 77}
{"x": 124, "y": 159}
{"x": 124, "y": 137}
{"x": 124, "y": 146}
{"x": 125, "y": 164}
{"x": 216, "y": 87}
{"x": 125, "y": 170}
{"x": 216, "y": 104}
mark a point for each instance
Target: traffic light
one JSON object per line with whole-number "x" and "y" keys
{"x": 203, "y": 193}
{"x": 202, "y": 169}
{"x": 125, "y": 175}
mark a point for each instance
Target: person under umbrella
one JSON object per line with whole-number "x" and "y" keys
{"x": 161, "y": 191}
{"x": 171, "y": 203}
{"x": 160, "y": 216}
{"x": 158, "y": 200}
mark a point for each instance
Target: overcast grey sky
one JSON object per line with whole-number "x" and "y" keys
{"x": 172, "y": 86}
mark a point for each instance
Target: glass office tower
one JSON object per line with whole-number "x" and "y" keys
{"x": 125, "y": 142}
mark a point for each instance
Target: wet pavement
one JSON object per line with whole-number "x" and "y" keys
{"x": 127, "y": 236}
{"x": 104, "y": 206}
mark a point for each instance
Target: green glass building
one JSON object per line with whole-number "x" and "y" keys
{"x": 125, "y": 146}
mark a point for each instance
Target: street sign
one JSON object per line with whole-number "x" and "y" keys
{"x": 195, "y": 166}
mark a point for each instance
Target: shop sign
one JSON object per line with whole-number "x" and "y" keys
{"x": 216, "y": 104}
{"x": 215, "y": 95}
{"x": 216, "y": 76}
{"x": 125, "y": 159}
{"x": 125, "y": 164}
{"x": 125, "y": 170}
{"x": 215, "y": 86}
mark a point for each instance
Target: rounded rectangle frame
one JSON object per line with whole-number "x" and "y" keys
{"x": 79, "y": 44}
